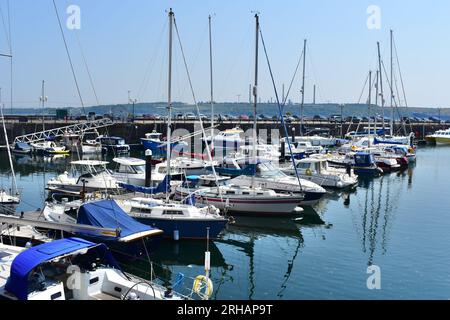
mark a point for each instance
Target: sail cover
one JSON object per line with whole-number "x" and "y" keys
{"x": 163, "y": 187}
{"x": 108, "y": 214}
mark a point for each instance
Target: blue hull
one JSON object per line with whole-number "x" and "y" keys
{"x": 159, "y": 148}
{"x": 193, "y": 229}
{"x": 373, "y": 172}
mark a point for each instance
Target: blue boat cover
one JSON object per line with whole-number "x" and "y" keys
{"x": 249, "y": 170}
{"x": 29, "y": 259}
{"x": 364, "y": 159}
{"x": 163, "y": 187}
{"x": 108, "y": 214}
{"x": 381, "y": 141}
{"x": 22, "y": 146}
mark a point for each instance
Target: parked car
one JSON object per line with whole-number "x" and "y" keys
{"x": 244, "y": 117}
{"x": 335, "y": 118}
{"x": 319, "y": 118}
{"x": 190, "y": 116}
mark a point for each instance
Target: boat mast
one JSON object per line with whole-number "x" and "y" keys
{"x": 303, "y": 89}
{"x": 211, "y": 83}
{"x": 14, "y": 190}
{"x": 392, "y": 87}
{"x": 377, "y": 83}
{"x": 255, "y": 94}
{"x": 43, "y": 99}
{"x": 380, "y": 74}
{"x": 369, "y": 102}
{"x": 169, "y": 97}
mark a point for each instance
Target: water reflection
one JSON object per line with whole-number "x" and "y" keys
{"x": 377, "y": 202}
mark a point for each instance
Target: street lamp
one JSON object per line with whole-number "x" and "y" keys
{"x": 133, "y": 101}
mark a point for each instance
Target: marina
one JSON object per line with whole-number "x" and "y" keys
{"x": 208, "y": 200}
{"x": 282, "y": 258}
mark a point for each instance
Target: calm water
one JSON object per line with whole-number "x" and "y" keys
{"x": 399, "y": 222}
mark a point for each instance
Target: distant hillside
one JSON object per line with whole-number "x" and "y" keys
{"x": 269, "y": 109}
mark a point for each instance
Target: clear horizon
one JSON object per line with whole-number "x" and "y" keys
{"x": 125, "y": 47}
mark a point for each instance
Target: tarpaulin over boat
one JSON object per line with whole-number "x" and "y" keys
{"x": 29, "y": 259}
{"x": 108, "y": 214}
{"x": 249, "y": 170}
{"x": 163, "y": 187}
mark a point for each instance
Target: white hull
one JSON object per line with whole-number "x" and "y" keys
{"x": 86, "y": 149}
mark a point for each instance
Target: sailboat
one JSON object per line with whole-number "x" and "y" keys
{"x": 42, "y": 273}
{"x": 177, "y": 220}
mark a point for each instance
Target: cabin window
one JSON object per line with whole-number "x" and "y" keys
{"x": 125, "y": 169}
{"x": 172, "y": 212}
{"x": 230, "y": 192}
{"x": 303, "y": 165}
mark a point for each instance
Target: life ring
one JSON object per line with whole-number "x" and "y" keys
{"x": 309, "y": 172}
{"x": 203, "y": 286}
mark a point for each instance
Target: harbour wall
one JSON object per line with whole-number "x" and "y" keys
{"x": 132, "y": 132}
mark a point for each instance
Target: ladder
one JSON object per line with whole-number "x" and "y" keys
{"x": 78, "y": 128}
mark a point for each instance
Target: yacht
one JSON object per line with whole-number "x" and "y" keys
{"x": 153, "y": 142}
{"x": 266, "y": 175}
{"x": 178, "y": 221}
{"x": 362, "y": 162}
{"x": 22, "y": 148}
{"x": 318, "y": 140}
{"x": 129, "y": 170}
{"x": 48, "y": 148}
{"x": 129, "y": 235}
{"x": 113, "y": 145}
{"x": 95, "y": 177}
{"x": 318, "y": 171}
{"x": 243, "y": 199}
{"x": 49, "y": 271}
{"x": 440, "y": 137}
{"x": 227, "y": 141}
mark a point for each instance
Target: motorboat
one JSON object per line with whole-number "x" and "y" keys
{"x": 90, "y": 144}
{"x": 227, "y": 141}
{"x": 94, "y": 177}
{"x": 153, "y": 142}
{"x": 113, "y": 145}
{"x": 440, "y": 137}
{"x": 178, "y": 221}
{"x": 265, "y": 151}
{"x": 318, "y": 140}
{"x": 362, "y": 162}
{"x": 49, "y": 148}
{"x": 303, "y": 147}
{"x": 129, "y": 170}
{"x": 71, "y": 269}
{"x": 21, "y": 148}
{"x": 181, "y": 167}
{"x": 318, "y": 171}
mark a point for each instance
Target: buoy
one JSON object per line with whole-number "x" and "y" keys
{"x": 203, "y": 286}
{"x": 176, "y": 235}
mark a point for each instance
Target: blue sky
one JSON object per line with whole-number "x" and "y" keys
{"x": 125, "y": 44}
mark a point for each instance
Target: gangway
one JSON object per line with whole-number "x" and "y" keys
{"x": 67, "y": 227}
{"x": 78, "y": 128}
